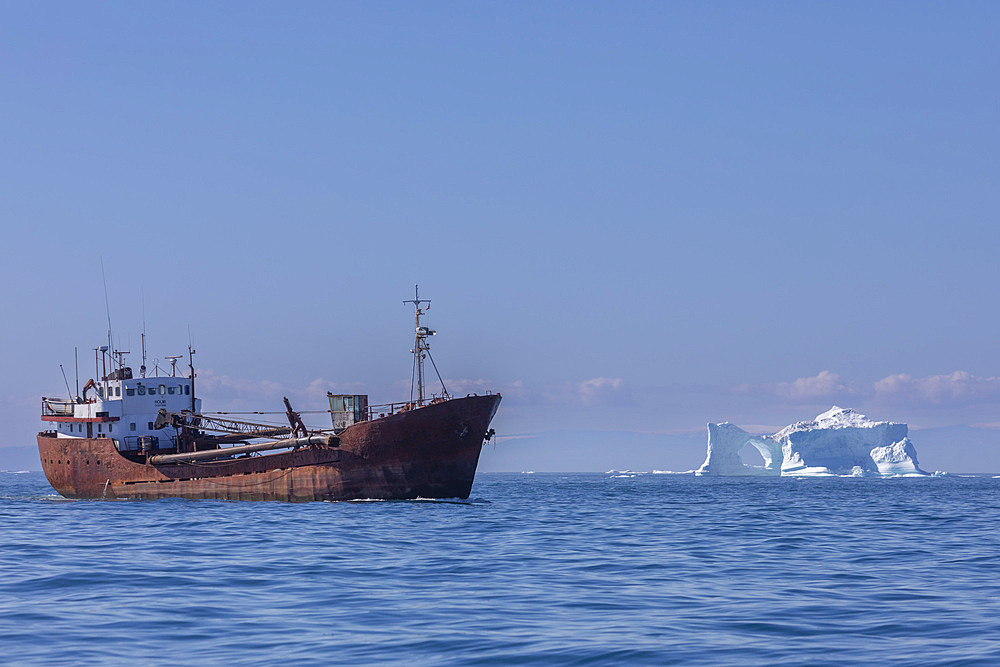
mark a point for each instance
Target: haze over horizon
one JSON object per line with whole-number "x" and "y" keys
{"x": 631, "y": 219}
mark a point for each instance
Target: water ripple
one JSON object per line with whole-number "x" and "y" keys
{"x": 537, "y": 569}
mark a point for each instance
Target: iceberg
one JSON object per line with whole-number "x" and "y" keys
{"x": 840, "y": 441}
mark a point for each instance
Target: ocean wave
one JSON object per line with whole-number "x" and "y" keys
{"x": 539, "y": 569}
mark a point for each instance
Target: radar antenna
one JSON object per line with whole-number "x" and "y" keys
{"x": 421, "y": 349}
{"x": 173, "y": 363}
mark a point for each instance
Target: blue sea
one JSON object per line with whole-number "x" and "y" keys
{"x": 546, "y": 569}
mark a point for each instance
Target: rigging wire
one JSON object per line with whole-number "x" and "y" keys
{"x": 438, "y": 373}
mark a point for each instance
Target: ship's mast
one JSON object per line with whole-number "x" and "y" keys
{"x": 191, "y": 353}
{"x": 107, "y": 307}
{"x": 421, "y": 349}
{"x": 142, "y": 368}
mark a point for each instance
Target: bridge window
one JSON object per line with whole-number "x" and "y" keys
{"x": 170, "y": 390}
{"x": 118, "y": 391}
{"x": 129, "y": 391}
{"x": 187, "y": 389}
{"x": 163, "y": 389}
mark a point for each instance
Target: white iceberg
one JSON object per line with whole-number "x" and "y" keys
{"x": 838, "y": 442}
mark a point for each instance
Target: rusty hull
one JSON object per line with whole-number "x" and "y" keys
{"x": 431, "y": 452}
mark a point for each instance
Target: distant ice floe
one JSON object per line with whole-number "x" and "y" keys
{"x": 634, "y": 473}
{"x": 838, "y": 443}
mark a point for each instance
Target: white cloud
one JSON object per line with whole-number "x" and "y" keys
{"x": 594, "y": 391}
{"x": 993, "y": 426}
{"x": 208, "y": 382}
{"x": 466, "y": 386}
{"x": 951, "y": 390}
{"x": 824, "y": 386}
{"x": 603, "y": 391}
{"x": 224, "y": 392}
{"x": 956, "y": 388}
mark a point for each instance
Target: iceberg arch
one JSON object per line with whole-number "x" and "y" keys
{"x": 724, "y": 444}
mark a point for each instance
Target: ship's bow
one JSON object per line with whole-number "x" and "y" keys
{"x": 430, "y": 452}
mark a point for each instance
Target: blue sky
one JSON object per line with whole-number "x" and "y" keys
{"x": 631, "y": 217}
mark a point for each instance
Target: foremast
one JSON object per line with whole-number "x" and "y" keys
{"x": 421, "y": 350}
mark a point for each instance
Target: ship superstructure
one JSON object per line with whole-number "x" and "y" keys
{"x": 123, "y": 407}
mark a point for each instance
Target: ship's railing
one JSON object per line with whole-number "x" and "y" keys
{"x": 377, "y": 411}
{"x": 57, "y": 407}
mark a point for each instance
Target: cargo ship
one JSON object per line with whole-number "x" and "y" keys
{"x": 131, "y": 436}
